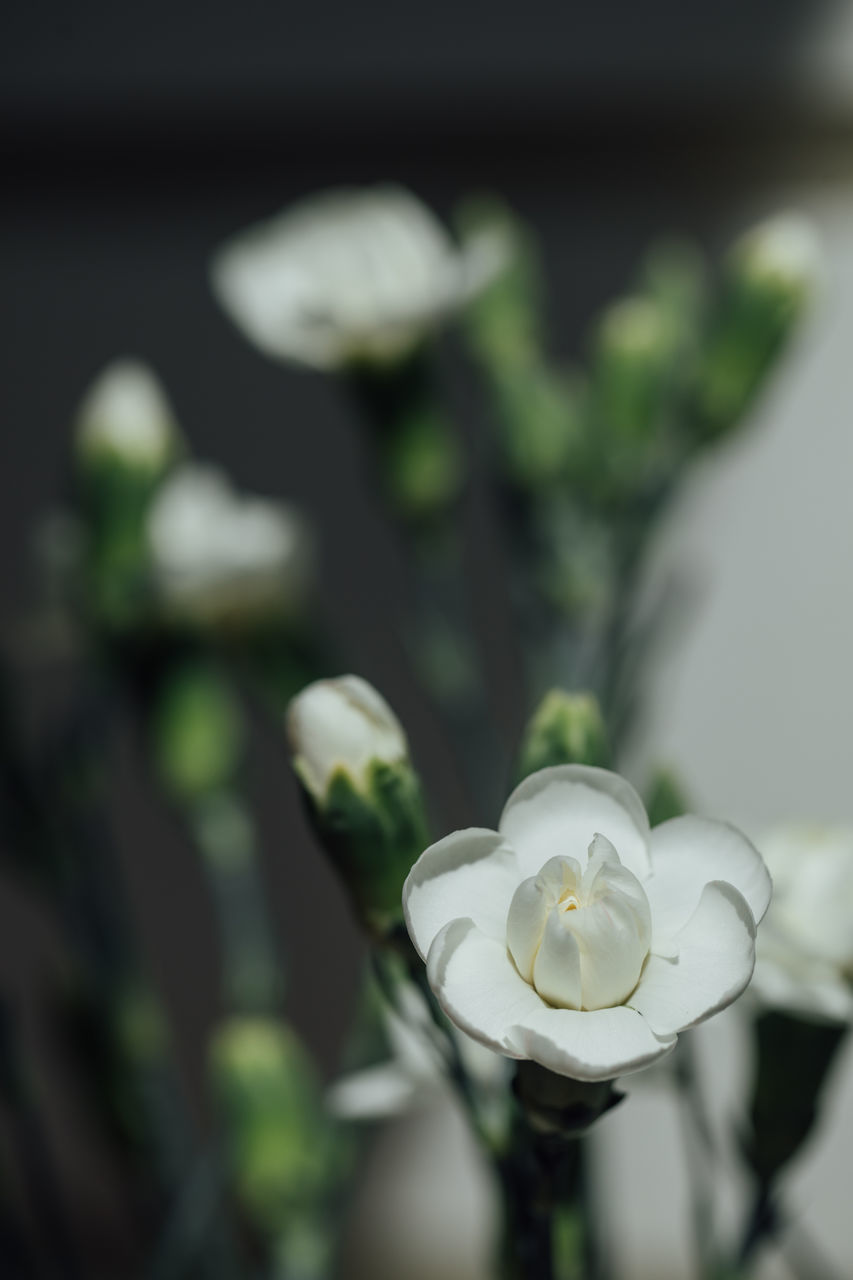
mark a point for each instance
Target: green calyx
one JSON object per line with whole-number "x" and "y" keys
{"x": 566, "y": 728}
{"x": 373, "y": 833}
{"x": 281, "y": 1147}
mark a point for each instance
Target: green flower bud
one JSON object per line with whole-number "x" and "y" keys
{"x": 197, "y": 731}
{"x": 281, "y": 1148}
{"x": 125, "y": 423}
{"x": 351, "y": 756}
{"x": 567, "y": 728}
{"x": 666, "y": 798}
{"x": 634, "y": 349}
{"x": 770, "y": 277}
{"x": 126, "y": 440}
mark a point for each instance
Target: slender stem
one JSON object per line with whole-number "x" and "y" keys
{"x": 699, "y": 1145}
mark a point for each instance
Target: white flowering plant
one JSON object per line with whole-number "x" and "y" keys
{"x": 525, "y": 968}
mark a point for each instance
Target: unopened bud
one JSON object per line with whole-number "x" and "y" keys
{"x": 566, "y": 728}
{"x": 351, "y": 756}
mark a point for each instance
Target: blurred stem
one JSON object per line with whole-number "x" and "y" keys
{"x": 33, "y": 1156}
{"x": 195, "y": 1227}
{"x": 224, "y": 833}
{"x": 422, "y": 473}
{"x": 767, "y": 1222}
{"x": 545, "y": 1236}
{"x": 698, "y": 1145}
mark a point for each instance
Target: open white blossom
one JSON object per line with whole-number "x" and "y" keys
{"x": 804, "y": 956}
{"x": 343, "y": 723}
{"x": 125, "y": 413}
{"x": 578, "y": 937}
{"x": 215, "y": 551}
{"x": 349, "y": 275}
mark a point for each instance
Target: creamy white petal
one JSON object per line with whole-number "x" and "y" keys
{"x": 686, "y": 854}
{"x": 525, "y": 922}
{"x": 469, "y": 873}
{"x": 817, "y": 995}
{"x": 557, "y": 970}
{"x": 716, "y": 954}
{"x": 613, "y": 938}
{"x": 558, "y": 811}
{"x": 597, "y": 1045}
{"x": 789, "y": 976}
{"x": 478, "y": 986}
{"x": 376, "y": 1092}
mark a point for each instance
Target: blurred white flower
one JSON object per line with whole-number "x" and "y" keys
{"x": 418, "y": 1069}
{"x": 350, "y": 275}
{"x": 578, "y": 938}
{"x": 215, "y": 551}
{"x": 342, "y": 724}
{"x": 784, "y": 248}
{"x": 125, "y": 414}
{"x": 804, "y": 957}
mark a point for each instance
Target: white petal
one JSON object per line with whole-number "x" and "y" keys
{"x": 789, "y": 977}
{"x": 613, "y": 939}
{"x": 557, "y": 971}
{"x": 687, "y": 853}
{"x": 470, "y": 873}
{"x": 597, "y": 1045}
{"x": 478, "y": 986}
{"x": 558, "y": 811}
{"x": 525, "y": 922}
{"x": 376, "y": 1092}
{"x": 716, "y": 954}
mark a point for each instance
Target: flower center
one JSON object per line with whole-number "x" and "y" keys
{"x": 580, "y": 937}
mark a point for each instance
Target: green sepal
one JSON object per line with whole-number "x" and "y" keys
{"x": 197, "y": 731}
{"x": 665, "y": 797}
{"x": 750, "y": 324}
{"x": 793, "y": 1058}
{"x": 558, "y": 1106}
{"x": 423, "y": 466}
{"x": 282, "y": 1150}
{"x": 373, "y": 835}
{"x": 566, "y": 728}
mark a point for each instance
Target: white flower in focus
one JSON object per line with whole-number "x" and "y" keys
{"x": 125, "y": 413}
{"x": 576, "y": 936}
{"x": 350, "y": 275}
{"x": 804, "y": 956}
{"x": 342, "y": 724}
{"x": 214, "y": 551}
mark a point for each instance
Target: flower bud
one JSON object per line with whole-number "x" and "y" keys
{"x": 126, "y": 422}
{"x": 566, "y": 728}
{"x": 197, "y": 731}
{"x": 351, "y": 756}
{"x": 666, "y": 797}
{"x": 634, "y": 350}
{"x": 280, "y": 1146}
{"x": 126, "y": 440}
{"x": 342, "y": 724}
{"x": 770, "y": 276}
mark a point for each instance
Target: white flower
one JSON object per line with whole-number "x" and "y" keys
{"x": 782, "y": 251}
{"x": 350, "y": 275}
{"x": 213, "y": 550}
{"x": 342, "y": 724}
{"x": 804, "y": 957}
{"x": 125, "y": 413}
{"x": 577, "y": 937}
{"x": 418, "y": 1071}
